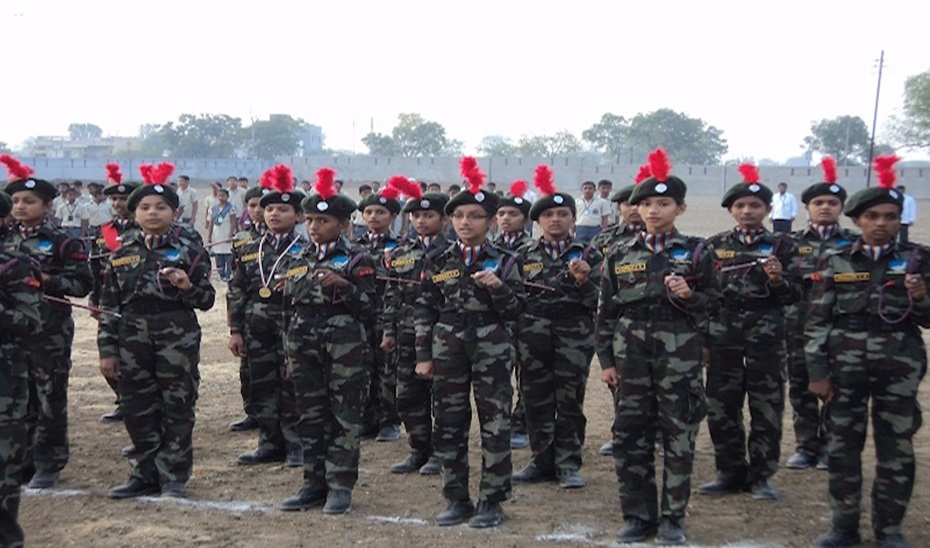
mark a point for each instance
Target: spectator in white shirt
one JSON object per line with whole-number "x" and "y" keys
{"x": 784, "y": 209}
{"x": 604, "y": 188}
{"x": 908, "y": 215}
{"x": 187, "y": 201}
{"x": 100, "y": 211}
{"x": 593, "y": 213}
{"x": 73, "y": 215}
{"x": 236, "y": 194}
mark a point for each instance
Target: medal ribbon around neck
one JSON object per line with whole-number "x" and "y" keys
{"x": 265, "y": 291}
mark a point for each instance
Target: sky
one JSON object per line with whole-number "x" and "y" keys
{"x": 760, "y": 71}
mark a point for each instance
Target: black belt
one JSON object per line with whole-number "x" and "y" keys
{"x": 321, "y": 310}
{"x": 154, "y": 306}
{"x": 866, "y": 322}
{"x": 559, "y": 311}
{"x": 463, "y": 318}
{"x": 654, "y": 312}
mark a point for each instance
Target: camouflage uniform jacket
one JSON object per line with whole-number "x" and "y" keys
{"x": 750, "y": 286}
{"x": 848, "y": 285}
{"x": 566, "y": 299}
{"x": 407, "y": 262}
{"x": 245, "y": 237}
{"x": 247, "y": 278}
{"x": 612, "y": 235}
{"x": 105, "y": 239}
{"x": 448, "y": 291}
{"x": 380, "y": 253}
{"x": 350, "y": 262}
{"x": 810, "y": 248}
{"x": 133, "y": 280}
{"x": 522, "y": 241}
{"x": 20, "y": 296}
{"x": 634, "y": 276}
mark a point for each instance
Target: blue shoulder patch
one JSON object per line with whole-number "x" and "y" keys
{"x": 898, "y": 266}
{"x": 680, "y": 254}
{"x": 765, "y": 249}
{"x": 44, "y": 245}
{"x": 491, "y": 265}
{"x": 573, "y": 255}
{"x": 340, "y": 261}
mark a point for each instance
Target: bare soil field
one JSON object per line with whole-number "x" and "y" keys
{"x": 232, "y": 505}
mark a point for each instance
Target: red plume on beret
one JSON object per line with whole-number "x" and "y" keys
{"x": 156, "y": 175}
{"x": 114, "y": 174}
{"x": 519, "y": 188}
{"x": 15, "y": 168}
{"x": 543, "y": 180}
{"x": 325, "y": 177}
{"x": 267, "y": 179}
{"x": 405, "y": 186}
{"x": 750, "y": 173}
{"x": 644, "y": 173}
{"x": 659, "y": 164}
{"x": 146, "y": 171}
{"x": 390, "y": 192}
{"x": 887, "y": 175}
{"x": 829, "y": 169}
{"x": 472, "y": 173}
{"x": 282, "y": 178}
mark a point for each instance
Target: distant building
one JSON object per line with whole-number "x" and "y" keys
{"x": 64, "y": 147}
{"x": 311, "y": 140}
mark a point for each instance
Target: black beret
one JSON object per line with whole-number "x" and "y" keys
{"x": 873, "y": 196}
{"x": 391, "y": 204}
{"x": 488, "y": 200}
{"x": 431, "y": 201}
{"x": 120, "y": 189}
{"x": 549, "y": 201}
{"x": 291, "y": 197}
{"x": 743, "y": 190}
{"x": 164, "y": 191}
{"x": 256, "y": 192}
{"x": 672, "y": 187}
{"x": 517, "y": 202}
{"x": 6, "y": 204}
{"x": 41, "y": 187}
{"x": 339, "y": 205}
{"x": 823, "y": 189}
{"x": 623, "y": 195}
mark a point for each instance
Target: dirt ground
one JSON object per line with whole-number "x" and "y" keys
{"x": 232, "y": 505}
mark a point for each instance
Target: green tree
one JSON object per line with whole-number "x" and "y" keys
{"x": 687, "y": 140}
{"x": 157, "y": 140}
{"x": 277, "y": 136}
{"x": 562, "y": 143}
{"x": 379, "y": 144}
{"x": 413, "y": 136}
{"x": 84, "y": 131}
{"x": 208, "y": 136}
{"x": 846, "y": 138}
{"x": 496, "y": 145}
{"x": 609, "y": 136}
{"x": 913, "y": 129}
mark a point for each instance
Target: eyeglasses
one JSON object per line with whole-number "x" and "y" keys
{"x": 470, "y": 217}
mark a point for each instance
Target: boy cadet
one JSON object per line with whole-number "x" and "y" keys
{"x": 404, "y": 268}
{"x": 65, "y": 273}
{"x": 19, "y": 317}
{"x": 593, "y": 213}
{"x": 469, "y": 291}
{"x": 824, "y": 203}
{"x": 327, "y": 350}
{"x": 747, "y": 342}
{"x": 868, "y": 303}
{"x": 379, "y": 210}
{"x": 654, "y": 289}
{"x": 555, "y": 337}
{"x": 512, "y": 219}
{"x": 257, "y": 319}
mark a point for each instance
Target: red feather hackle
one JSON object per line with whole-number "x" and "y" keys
{"x": 750, "y": 173}
{"x": 472, "y": 173}
{"x": 161, "y": 173}
{"x": 282, "y": 179}
{"x": 114, "y": 174}
{"x": 518, "y": 188}
{"x": 267, "y": 179}
{"x": 324, "y": 185}
{"x": 405, "y": 186}
{"x": 390, "y": 192}
{"x": 16, "y": 169}
{"x": 887, "y": 175}
{"x": 146, "y": 171}
{"x": 829, "y": 169}
{"x": 543, "y": 180}
{"x": 644, "y": 173}
{"x": 659, "y": 164}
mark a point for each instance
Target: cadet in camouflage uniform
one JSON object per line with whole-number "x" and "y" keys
{"x": 327, "y": 349}
{"x": 555, "y": 337}
{"x": 824, "y": 203}
{"x": 868, "y": 303}
{"x": 414, "y": 394}
{"x": 512, "y": 217}
{"x": 154, "y": 281}
{"x": 654, "y": 289}
{"x": 20, "y": 295}
{"x": 747, "y": 343}
{"x": 470, "y": 291}
{"x": 65, "y": 273}
{"x": 253, "y": 233}
{"x": 381, "y": 419}
{"x": 257, "y": 320}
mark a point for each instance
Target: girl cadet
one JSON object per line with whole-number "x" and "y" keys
{"x": 328, "y": 354}
{"x": 655, "y": 289}
{"x": 65, "y": 273}
{"x": 868, "y": 303}
{"x": 470, "y": 290}
{"x": 150, "y": 340}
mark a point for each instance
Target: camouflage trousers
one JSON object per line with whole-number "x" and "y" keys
{"x": 381, "y": 409}
{"x": 49, "y": 356}
{"x": 245, "y": 387}
{"x": 886, "y": 368}
{"x": 158, "y": 384}
{"x": 414, "y": 397}
{"x": 747, "y": 361}
{"x": 555, "y": 357}
{"x": 473, "y": 357}
{"x": 660, "y": 394}
{"x": 807, "y": 413}
{"x": 14, "y": 397}
{"x": 329, "y": 358}
{"x": 271, "y": 394}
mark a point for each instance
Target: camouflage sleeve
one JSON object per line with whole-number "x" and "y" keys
{"x": 921, "y": 310}
{"x": 75, "y": 279}
{"x": 587, "y": 293}
{"x": 237, "y": 296}
{"x": 357, "y": 295}
{"x": 789, "y": 290}
{"x": 19, "y": 307}
{"x": 819, "y": 321}
{"x": 706, "y": 292}
{"x": 509, "y": 300}
{"x": 426, "y": 313}
{"x": 608, "y": 311}
{"x": 108, "y": 326}
{"x": 202, "y": 294}
{"x": 392, "y": 302}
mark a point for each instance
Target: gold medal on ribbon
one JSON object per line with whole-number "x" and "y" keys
{"x": 264, "y": 292}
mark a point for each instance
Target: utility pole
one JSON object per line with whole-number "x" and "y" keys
{"x": 878, "y": 90}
